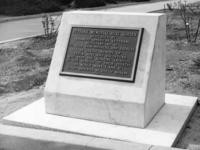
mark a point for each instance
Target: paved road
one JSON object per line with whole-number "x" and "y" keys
{"x": 21, "y": 28}
{"x": 29, "y": 27}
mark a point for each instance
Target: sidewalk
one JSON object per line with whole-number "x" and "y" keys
{"x": 147, "y": 7}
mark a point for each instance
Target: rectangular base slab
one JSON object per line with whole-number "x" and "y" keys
{"x": 166, "y": 125}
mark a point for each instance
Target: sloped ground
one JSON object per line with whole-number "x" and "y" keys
{"x": 24, "y": 64}
{"x": 183, "y": 68}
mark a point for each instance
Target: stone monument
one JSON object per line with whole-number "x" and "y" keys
{"x": 107, "y": 80}
{"x": 108, "y": 67}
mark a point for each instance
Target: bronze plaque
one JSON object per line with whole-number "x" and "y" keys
{"x": 105, "y": 53}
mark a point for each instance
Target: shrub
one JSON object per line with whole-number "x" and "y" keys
{"x": 190, "y": 16}
{"x": 111, "y": 1}
{"x": 197, "y": 61}
{"x": 65, "y": 2}
{"x": 24, "y": 7}
{"x": 141, "y": 0}
{"x": 49, "y": 25}
{"x": 87, "y": 3}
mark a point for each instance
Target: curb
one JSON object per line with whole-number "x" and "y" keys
{"x": 38, "y": 139}
{"x": 20, "y": 38}
{"x": 29, "y": 17}
{"x": 124, "y": 5}
{"x": 109, "y": 6}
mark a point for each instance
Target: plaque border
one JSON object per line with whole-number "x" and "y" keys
{"x": 103, "y": 77}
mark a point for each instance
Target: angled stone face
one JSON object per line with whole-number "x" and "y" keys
{"x": 81, "y": 87}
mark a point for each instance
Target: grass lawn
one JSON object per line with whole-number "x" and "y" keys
{"x": 24, "y": 67}
{"x": 24, "y": 64}
{"x": 182, "y": 59}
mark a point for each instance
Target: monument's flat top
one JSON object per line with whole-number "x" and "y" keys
{"x": 166, "y": 125}
{"x": 115, "y": 13}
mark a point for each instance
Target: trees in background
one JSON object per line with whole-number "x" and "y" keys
{"x": 190, "y": 16}
{"x": 26, "y": 7}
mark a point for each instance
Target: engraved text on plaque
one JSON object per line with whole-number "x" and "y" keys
{"x": 106, "y": 53}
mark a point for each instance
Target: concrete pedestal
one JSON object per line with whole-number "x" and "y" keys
{"x": 163, "y": 130}
{"x": 131, "y": 104}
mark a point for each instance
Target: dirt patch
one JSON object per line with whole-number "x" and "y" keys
{"x": 11, "y": 102}
{"x": 183, "y": 73}
{"x": 191, "y": 134}
{"x": 25, "y": 64}
{"x": 182, "y": 68}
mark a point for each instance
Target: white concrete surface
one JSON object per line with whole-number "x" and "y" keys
{"x": 162, "y": 131}
{"x": 20, "y": 138}
{"x": 130, "y": 104}
{"x": 147, "y": 7}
